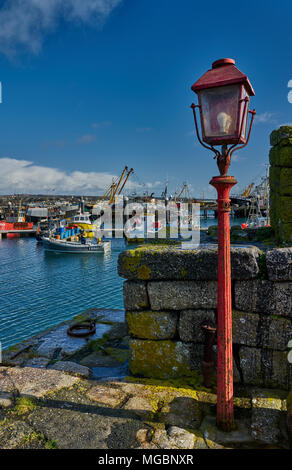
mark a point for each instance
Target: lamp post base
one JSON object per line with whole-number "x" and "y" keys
{"x": 225, "y": 414}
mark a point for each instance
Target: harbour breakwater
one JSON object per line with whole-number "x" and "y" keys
{"x": 169, "y": 293}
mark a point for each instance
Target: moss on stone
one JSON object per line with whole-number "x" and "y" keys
{"x": 33, "y": 437}
{"x": 285, "y": 182}
{"x": 98, "y": 344}
{"x": 285, "y": 142}
{"x": 143, "y": 272}
{"x": 274, "y": 178}
{"x": 274, "y": 210}
{"x": 159, "y": 359}
{"x": 152, "y": 325}
{"x": 164, "y": 360}
{"x": 130, "y": 264}
{"x": 88, "y": 316}
{"x": 281, "y": 134}
{"x": 120, "y": 355}
{"x": 191, "y": 386}
{"x": 82, "y": 317}
{"x": 266, "y": 403}
{"x": 285, "y": 233}
{"x": 32, "y": 354}
{"x": 164, "y": 242}
{"x": 285, "y": 213}
{"x": 242, "y": 402}
{"x": 24, "y": 405}
{"x": 81, "y": 387}
{"x": 51, "y": 444}
{"x": 281, "y": 156}
{"x": 183, "y": 272}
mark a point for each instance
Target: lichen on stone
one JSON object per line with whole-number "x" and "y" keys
{"x": 143, "y": 272}
{"x": 183, "y": 272}
{"x": 190, "y": 385}
{"x": 159, "y": 359}
{"x": 152, "y": 325}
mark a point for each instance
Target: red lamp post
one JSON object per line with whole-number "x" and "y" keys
{"x": 224, "y": 93}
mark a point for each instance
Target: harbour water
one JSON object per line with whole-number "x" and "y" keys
{"x": 40, "y": 289}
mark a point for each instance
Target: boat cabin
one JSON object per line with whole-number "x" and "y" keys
{"x": 81, "y": 218}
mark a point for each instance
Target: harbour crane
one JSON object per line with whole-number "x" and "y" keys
{"x": 111, "y": 190}
{"x": 187, "y": 193}
{"x": 131, "y": 171}
{"x": 112, "y": 199}
{"x": 247, "y": 190}
{"x": 117, "y": 186}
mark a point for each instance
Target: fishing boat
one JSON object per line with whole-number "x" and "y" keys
{"x": 13, "y": 224}
{"x": 17, "y": 223}
{"x": 259, "y": 212}
{"x": 82, "y": 246}
{"x": 83, "y": 221}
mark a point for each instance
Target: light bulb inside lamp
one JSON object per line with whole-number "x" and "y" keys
{"x": 224, "y": 121}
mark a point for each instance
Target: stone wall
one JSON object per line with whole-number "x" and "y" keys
{"x": 281, "y": 183}
{"x": 169, "y": 292}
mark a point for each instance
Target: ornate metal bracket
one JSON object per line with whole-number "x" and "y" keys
{"x": 233, "y": 148}
{"x": 217, "y": 153}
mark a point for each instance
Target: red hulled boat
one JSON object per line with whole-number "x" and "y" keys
{"x": 16, "y": 223}
{"x": 6, "y": 226}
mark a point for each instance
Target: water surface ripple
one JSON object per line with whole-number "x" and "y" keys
{"x": 40, "y": 289}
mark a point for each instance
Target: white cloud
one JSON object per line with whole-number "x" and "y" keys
{"x": 153, "y": 185}
{"x": 263, "y": 118}
{"x": 24, "y": 23}
{"x": 23, "y": 176}
{"x": 86, "y": 139}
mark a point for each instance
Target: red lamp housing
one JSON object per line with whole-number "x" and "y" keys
{"x": 223, "y": 94}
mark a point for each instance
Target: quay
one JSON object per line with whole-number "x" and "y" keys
{"x": 67, "y": 393}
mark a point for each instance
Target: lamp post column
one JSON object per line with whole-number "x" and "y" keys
{"x": 225, "y": 416}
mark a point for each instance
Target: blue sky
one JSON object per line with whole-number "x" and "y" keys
{"x": 92, "y": 86}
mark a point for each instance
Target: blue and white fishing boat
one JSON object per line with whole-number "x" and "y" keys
{"x": 82, "y": 246}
